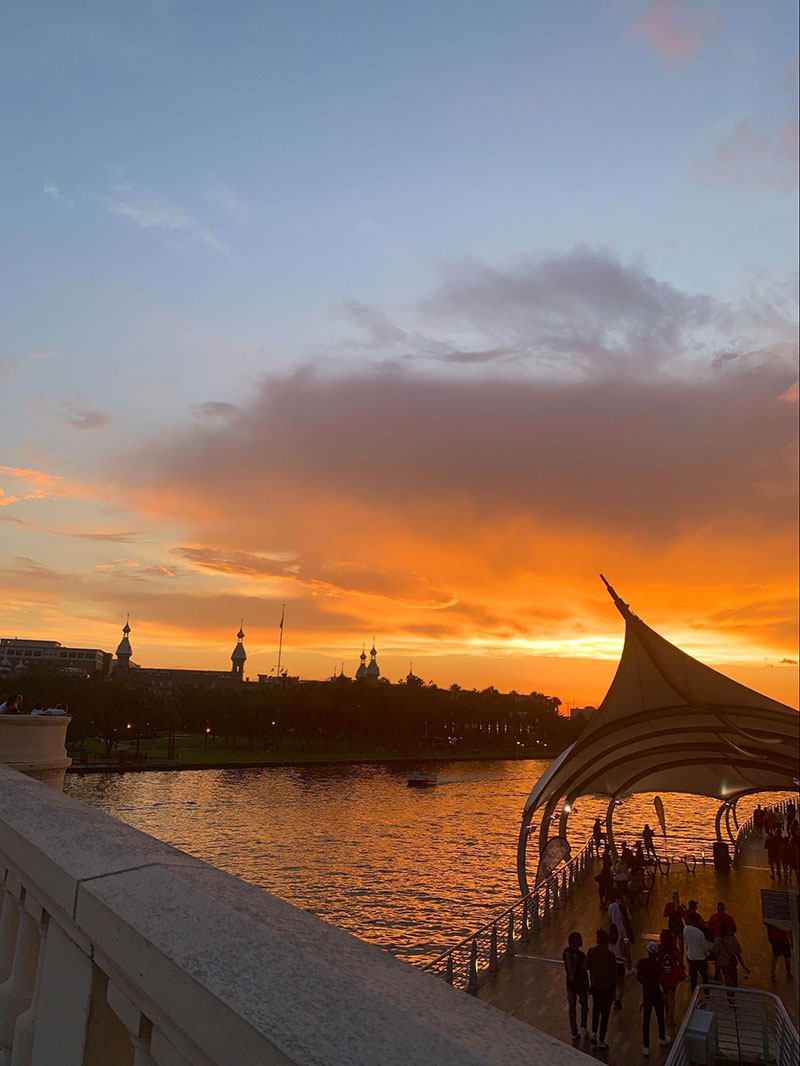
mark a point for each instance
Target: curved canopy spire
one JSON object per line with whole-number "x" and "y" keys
{"x": 669, "y": 723}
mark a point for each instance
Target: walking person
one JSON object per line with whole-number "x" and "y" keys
{"x": 675, "y": 912}
{"x": 577, "y": 983}
{"x": 729, "y": 956}
{"x": 648, "y": 974}
{"x": 598, "y": 836}
{"x": 758, "y": 819}
{"x": 672, "y": 974}
{"x": 620, "y": 879}
{"x": 616, "y": 943}
{"x": 602, "y": 969}
{"x": 697, "y": 950}
{"x": 620, "y": 915}
{"x": 781, "y": 943}
{"x": 773, "y": 846}
{"x": 605, "y": 882}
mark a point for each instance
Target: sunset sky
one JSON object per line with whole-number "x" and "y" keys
{"x": 414, "y": 317}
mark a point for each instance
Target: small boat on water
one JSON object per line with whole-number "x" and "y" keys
{"x": 422, "y": 779}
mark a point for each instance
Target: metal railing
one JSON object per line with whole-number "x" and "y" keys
{"x": 739, "y": 1025}
{"x": 479, "y": 955}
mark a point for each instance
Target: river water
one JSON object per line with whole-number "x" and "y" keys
{"x": 412, "y": 870}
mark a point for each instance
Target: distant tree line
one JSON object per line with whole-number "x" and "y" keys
{"x": 408, "y": 715}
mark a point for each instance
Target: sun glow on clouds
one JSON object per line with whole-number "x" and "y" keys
{"x": 515, "y": 433}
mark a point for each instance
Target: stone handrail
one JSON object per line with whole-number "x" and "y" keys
{"x": 118, "y": 950}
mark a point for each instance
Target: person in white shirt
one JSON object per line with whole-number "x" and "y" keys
{"x": 58, "y": 710}
{"x": 38, "y": 711}
{"x": 697, "y": 949}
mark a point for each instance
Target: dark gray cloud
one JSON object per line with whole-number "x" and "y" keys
{"x": 649, "y": 457}
{"x": 216, "y": 409}
{"x": 82, "y": 418}
{"x": 581, "y": 313}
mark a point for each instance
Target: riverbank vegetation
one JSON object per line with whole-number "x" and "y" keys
{"x": 131, "y": 719}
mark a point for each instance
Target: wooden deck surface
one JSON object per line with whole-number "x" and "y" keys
{"x": 531, "y": 986}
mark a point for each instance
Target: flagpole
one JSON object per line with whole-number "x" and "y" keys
{"x": 280, "y": 639}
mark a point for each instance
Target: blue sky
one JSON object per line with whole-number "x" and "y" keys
{"x": 193, "y": 194}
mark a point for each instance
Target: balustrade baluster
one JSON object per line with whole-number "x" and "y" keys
{"x": 563, "y": 885}
{"x": 64, "y": 991}
{"x": 535, "y": 918}
{"x": 140, "y": 1028}
{"x": 22, "y": 1051}
{"x": 510, "y": 949}
{"x": 546, "y": 902}
{"x": 16, "y": 993}
{"x": 9, "y": 925}
{"x": 493, "y": 950}
{"x": 472, "y": 980}
{"x": 448, "y": 972}
{"x": 526, "y": 917}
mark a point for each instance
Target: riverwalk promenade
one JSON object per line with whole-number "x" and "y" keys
{"x": 530, "y": 986}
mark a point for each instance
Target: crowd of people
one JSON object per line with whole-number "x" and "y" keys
{"x": 688, "y": 945}
{"x": 783, "y": 850}
{"x": 13, "y": 705}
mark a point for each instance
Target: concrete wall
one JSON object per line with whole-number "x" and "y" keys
{"x": 122, "y": 950}
{"x": 35, "y": 746}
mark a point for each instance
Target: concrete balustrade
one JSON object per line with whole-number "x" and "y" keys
{"x": 127, "y": 952}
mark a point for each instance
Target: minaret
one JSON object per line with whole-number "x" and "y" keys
{"x": 124, "y": 650}
{"x": 239, "y": 655}
{"x": 373, "y": 670}
{"x": 361, "y": 672}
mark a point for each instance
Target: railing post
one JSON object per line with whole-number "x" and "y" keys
{"x": 563, "y": 885}
{"x": 510, "y": 949}
{"x": 493, "y": 950}
{"x": 535, "y": 917}
{"x": 448, "y": 971}
{"x": 472, "y": 979}
{"x": 526, "y": 918}
{"x": 546, "y": 902}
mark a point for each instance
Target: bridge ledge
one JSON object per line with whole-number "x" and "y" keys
{"x": 115, "y": 947}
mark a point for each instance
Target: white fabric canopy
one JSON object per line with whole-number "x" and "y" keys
{"x": 670, "y": 724}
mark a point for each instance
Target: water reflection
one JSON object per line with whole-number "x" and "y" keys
{"x": 413, "y": 870}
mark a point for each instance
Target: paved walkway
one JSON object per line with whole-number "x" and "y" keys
{"x": 531, "y": 987}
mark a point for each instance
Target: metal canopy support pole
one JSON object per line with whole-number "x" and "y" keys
{"x": 544, "y": 828}
{"x": 728, "y": 812}
{"x": 610, "y": 828}
{"x": 522, "y": 850}
{"x": 718, "y": 820}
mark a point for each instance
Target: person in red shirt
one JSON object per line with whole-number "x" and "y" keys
{"x": 717, "y": 920}
{"x": 781, "y": 944}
